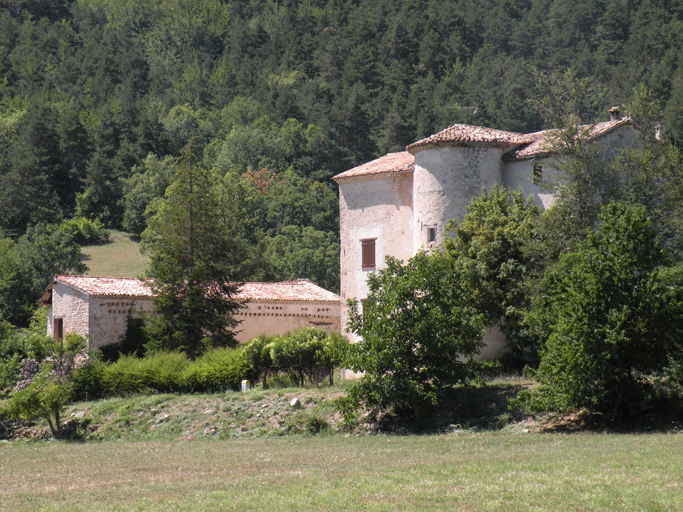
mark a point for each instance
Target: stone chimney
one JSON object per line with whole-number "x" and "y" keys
{"x": 658, "y": 131}
{"x": 614, "y": 114}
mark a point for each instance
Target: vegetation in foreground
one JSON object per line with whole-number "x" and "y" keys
{"x": 454, "y": 471}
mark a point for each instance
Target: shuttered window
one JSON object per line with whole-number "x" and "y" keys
{"x": 538, "y": 174}
{"x": 368, "y": 254}
{"x": 58, "y": 328}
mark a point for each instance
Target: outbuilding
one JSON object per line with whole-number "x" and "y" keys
{"x": 102, "y": 308}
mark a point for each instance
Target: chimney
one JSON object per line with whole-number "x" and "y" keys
{"x": 614, "y": 114}
{"x": 658, "y": 131}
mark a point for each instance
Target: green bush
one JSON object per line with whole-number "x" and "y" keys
{"x": 256, "y": 354}
{"x": 159, "y": 372}
{"x": 85, "y": 231}
{"x": 88, "y": 381}
{"x": 216, "y": 370}
{"x": 306, "y": 353}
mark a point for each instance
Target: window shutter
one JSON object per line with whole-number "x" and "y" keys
{"x": 368, "y": 254}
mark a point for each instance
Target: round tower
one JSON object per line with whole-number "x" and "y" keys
{"x": 452, "y": 167}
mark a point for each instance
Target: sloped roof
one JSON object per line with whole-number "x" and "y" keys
{"x": 299, "y": 290}
{"x": 388, "y": 164}
{"x": 465, "y": 134}
{"x": 108, "y": 286}
{"x": 543, "y": 142}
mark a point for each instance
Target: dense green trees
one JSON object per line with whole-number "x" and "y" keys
{"x": 613, "y": 318}
{"x": 97, "y": 97}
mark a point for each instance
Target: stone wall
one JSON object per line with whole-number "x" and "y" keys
{"x": 109, "y": 317}
{"x": 273, "y": 317}
{"x": 446, "y": 179}
{"x": 72, "y": 307}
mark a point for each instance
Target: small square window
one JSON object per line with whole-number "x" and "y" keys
{"x": 368, "y": 254}
{"x": 431, "y": 235}
{"x": 538, "y": 174}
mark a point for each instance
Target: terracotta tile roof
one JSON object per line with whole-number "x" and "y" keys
{"x": 108, "y": 286}
{"x": 299, "y": 290}
{"x": 386, "y": 165}
{"x": 542, "y": 142}
{"x": 464, "y": 134}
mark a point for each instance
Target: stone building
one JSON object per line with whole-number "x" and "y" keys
{"x": 102, "y": 307}
{"x": 400, "y": 203}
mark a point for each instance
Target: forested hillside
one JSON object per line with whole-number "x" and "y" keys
{"x": 98, "y": 97}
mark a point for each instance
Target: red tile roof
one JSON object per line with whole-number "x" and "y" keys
{"x": 544, "y": 141}
{"x": 299, "y": 290}
{"x": 528, "y": 145}
{"x": 465, "y": 134}
{"x": 388, "y": 164}
{"x": 108, "y": 286}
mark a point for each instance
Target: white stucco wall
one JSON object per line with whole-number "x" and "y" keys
{"x": 446, "y": 179}
{"x": 273, "y": 317}
{"x": 518, "y": 174}
{"x": 379, "y": 209}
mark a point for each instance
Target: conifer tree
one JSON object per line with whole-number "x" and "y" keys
{"x": 195, "y": 248}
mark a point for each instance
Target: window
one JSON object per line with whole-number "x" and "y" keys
{"x": 538, "y": 174}
{"x": 431, "y": 235}
{"x": 368, "y": 254}
{"x": 58, "y": 328}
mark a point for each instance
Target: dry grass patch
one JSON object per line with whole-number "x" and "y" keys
{"x": 120, "y": 257}
{"x": 475, "y": 472}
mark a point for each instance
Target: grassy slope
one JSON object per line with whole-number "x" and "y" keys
{"x": 473, "y": 472}
{"x": 119, "y": 258}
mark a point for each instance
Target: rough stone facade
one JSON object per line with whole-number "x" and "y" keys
{"x": 101, "y": 308}
{"x": 273, "y": 317}
{"x": 403, "y": 201}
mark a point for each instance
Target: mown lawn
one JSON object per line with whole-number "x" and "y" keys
{"x": 457, "y": 471}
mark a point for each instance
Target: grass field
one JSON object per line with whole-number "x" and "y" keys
{"x": 470, "y": 472}
{"x": 118, "y": 258}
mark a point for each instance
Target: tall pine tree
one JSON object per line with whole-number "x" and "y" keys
{"x": 195, "y": 247}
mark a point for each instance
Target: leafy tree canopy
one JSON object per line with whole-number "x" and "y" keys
{"x": 612, "y": 316}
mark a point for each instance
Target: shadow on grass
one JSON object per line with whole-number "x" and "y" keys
{"x": 486, "y": 409}
{"x": 481, "y": 408}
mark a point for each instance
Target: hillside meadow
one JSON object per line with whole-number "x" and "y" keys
{"x": 454, "y": 471}
{"x": 119, "y": 257}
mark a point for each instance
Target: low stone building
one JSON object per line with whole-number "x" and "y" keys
{"x": 101, "y": 308}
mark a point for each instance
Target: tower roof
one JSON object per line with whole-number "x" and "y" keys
{"x": 465, "y": 135}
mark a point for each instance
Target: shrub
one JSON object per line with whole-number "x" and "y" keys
{"x": 306, "y": 353}
{"x": 256, "y": 354}
{"x": 158, "y": 372}
{"x": 216, "y": 370}
{"x": 88, "y": 381}
{"x": 85, "y": 231}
